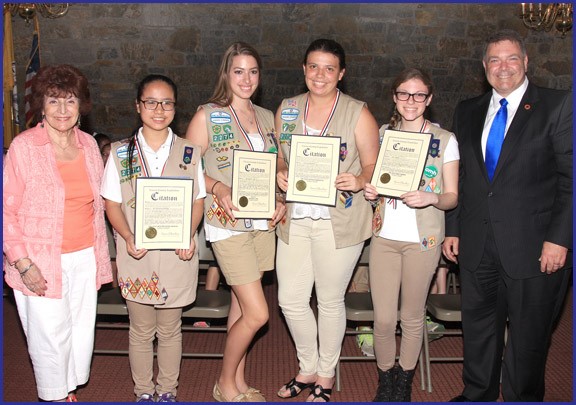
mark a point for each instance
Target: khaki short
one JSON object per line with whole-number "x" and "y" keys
{"x": 243, "y": 257}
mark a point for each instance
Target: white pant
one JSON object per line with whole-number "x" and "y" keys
{"x": 311, "y": 259}
{"x": 60, "y": 332}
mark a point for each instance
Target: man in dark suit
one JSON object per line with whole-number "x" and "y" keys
{"x": 512, "y": 230}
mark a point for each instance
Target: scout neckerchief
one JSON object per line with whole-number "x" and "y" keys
{"x": 244, "y": 133}
{"x": 394, "y": 201}
{"x": 140, "y": 153}
{"x": 323, "y": 131}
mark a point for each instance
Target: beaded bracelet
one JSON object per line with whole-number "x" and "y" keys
{"x": 26, "y": 269}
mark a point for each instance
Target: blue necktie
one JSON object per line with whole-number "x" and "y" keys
{"x": 495, "y": 138}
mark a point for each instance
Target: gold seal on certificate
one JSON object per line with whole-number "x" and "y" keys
{"x": 254, "y": 184}
{"x": 163, "y": 216}
{"x": 151, "y": 232}
{"x": 385, "y": 178}
{"x": 243, "y": 201}
{"x": 401, "y": 162}
{"x": 312, "y": 169}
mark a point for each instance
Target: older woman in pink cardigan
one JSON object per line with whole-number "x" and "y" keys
{"x": 56, "y": 252}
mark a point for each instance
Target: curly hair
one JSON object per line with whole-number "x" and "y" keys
{"x": 59, "y": 81}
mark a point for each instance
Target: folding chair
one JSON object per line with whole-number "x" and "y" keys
{"x": 446, "y": 308}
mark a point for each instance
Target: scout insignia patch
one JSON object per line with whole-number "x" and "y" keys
{"x": 343, "y": 151}
{"x": 187, "y": 158}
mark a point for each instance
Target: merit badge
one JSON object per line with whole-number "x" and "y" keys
{"x": 346, "y": 199}
{"x": 343, "y": 151}
{"x": 273, "y": 139}
{"x": 377, "y": 220}
{"x": 434, "y": 150}
{"x": 216, "y": 129}
{"x": 430, "y": 171}
{"x": 228, "y": 130}
{"x": 187, "y": 158}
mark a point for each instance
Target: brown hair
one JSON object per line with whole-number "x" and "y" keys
{"x": 403, "y": 77}
{"x": 222, "y": 94}
{"x": 504, "y": 35}
{"x": 59, "y": 81}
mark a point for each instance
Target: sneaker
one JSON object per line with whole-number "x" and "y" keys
{"x": 201, "y": 324}
{"x": 145, "y": 398}
{"x": 434, "y": 327}
{"x": 368, "y": 347}
{"x": 360, "y": 338}
{"x": 365, "y": 341}
{"x": 166, "y": 397}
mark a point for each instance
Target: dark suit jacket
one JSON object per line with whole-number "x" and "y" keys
{"x": 530, "y": 198}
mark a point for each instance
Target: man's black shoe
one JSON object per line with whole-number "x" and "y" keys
{"x": 460, "y": 398}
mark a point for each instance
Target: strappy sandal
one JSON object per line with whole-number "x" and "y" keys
{"x": 323, "y": 393}
{"x": 295, "y": 387}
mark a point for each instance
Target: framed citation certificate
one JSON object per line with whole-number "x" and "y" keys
{"x": 312, "y": 169}
{"x": 400, "y": 163}
{"x": 254, "y": 184}
{"x": 163, "y": 212}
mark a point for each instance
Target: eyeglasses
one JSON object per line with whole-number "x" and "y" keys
{"x": 417, "y": 97}
{"x": 153, "y": 104}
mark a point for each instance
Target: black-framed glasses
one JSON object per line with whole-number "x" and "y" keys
{"x": 153, "y": 104}
{"x": 417, "y": 97}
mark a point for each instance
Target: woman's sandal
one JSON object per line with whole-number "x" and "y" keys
{"x": 320, "y": 392}
{"x": 295, "y": 387}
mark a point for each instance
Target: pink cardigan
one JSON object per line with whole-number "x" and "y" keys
{"x": 33, "y": 214}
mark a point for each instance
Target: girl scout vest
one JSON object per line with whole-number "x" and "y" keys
{"x": 225, "y": 136}
{"x": 351, "y": 216}
{"x": 430, "y": 220}
{"x": 160, "y": 278}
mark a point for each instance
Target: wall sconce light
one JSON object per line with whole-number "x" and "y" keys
{"x": 542, "y": 16}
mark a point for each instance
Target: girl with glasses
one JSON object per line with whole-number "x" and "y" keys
{"x": 407, "y": 234}
{"x": 156, "y": 284}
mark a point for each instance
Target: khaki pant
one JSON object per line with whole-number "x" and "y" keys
{"x": 312, "y": 260}
{"x": 146, "y": 323}
{"x": 399, "y": 269}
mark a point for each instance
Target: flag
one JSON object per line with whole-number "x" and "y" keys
{"x": 10, "y": 117}
{"x": 31, "y": 71}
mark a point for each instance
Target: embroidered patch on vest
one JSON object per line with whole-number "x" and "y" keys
{"x": 434, "y": 150}
{"x": 187, "y": 158}
{"x": 220, "y": 117}
{"x": 376, "y": 220}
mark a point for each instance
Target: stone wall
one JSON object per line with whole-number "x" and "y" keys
{"x": 116, "y": 45}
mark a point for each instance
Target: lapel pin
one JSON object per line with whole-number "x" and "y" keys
{"x": 527, "y": 107}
